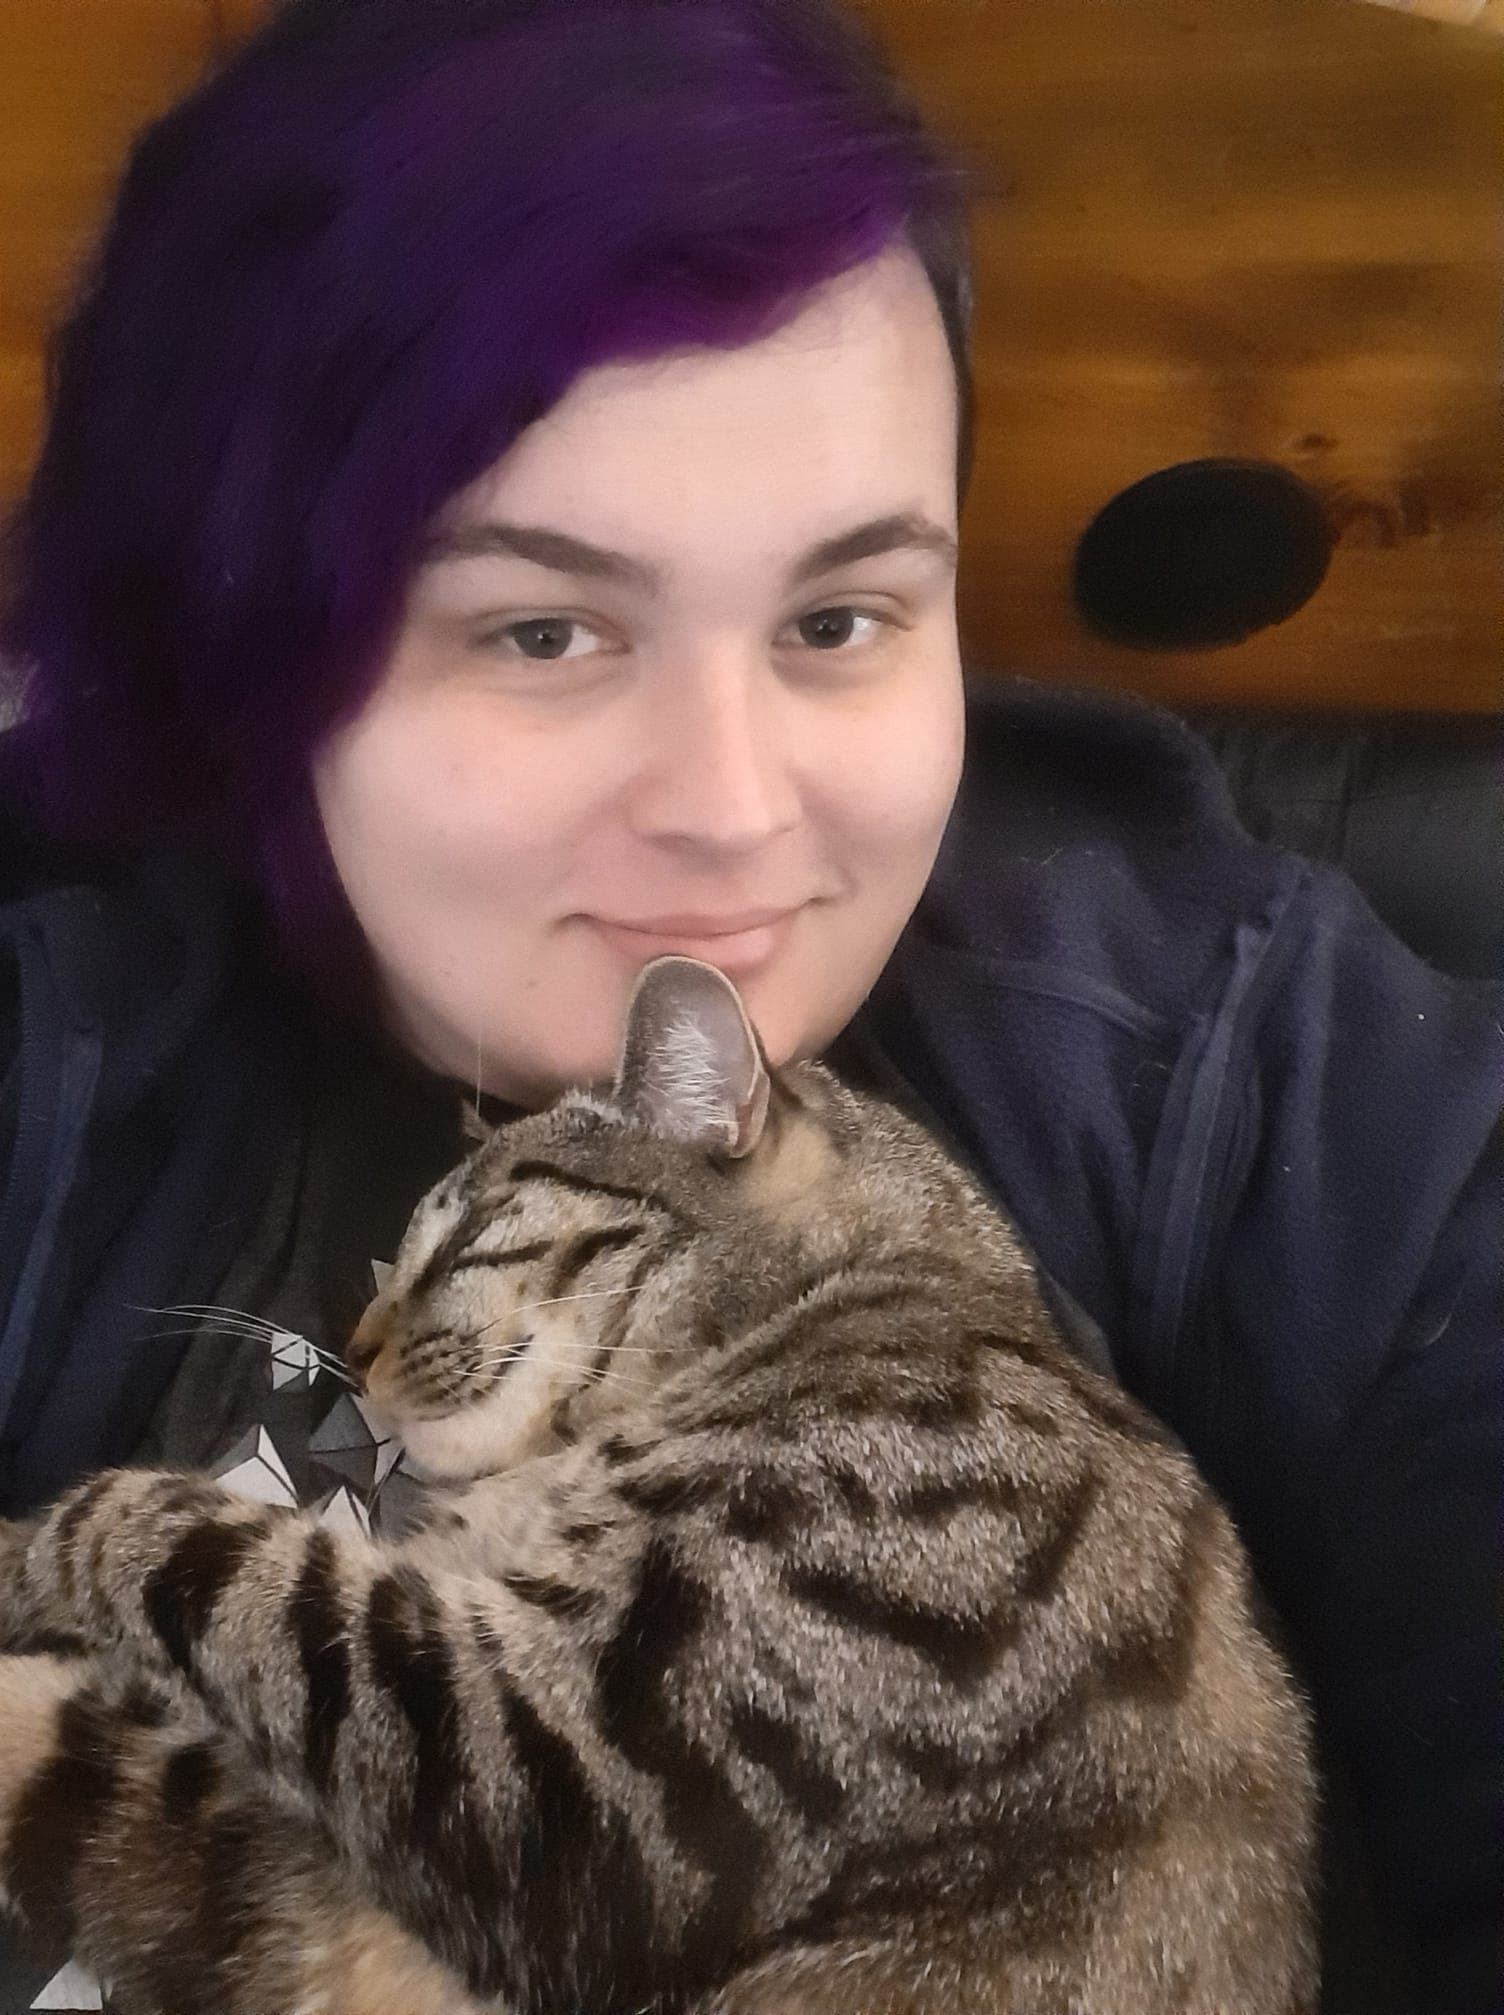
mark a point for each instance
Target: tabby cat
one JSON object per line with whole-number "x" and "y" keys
{"x": 797, "y": 1626}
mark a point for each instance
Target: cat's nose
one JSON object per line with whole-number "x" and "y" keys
{"x": 363, "y": 1349}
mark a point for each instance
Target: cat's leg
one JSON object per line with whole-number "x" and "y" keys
{"x": 135, "y": 1834}
{"x": 397, "y": 1708}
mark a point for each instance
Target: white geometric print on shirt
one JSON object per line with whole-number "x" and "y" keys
{"x": 356, "y": 1479}
{"x": 293, "y": 1358}
{"x": 254, "y": 1469}
{"x": 72, "y": 1990}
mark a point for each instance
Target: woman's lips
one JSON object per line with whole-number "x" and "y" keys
{"x": 751, "y": 940}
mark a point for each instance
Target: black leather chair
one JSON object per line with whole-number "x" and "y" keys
{"x": 1411, "y": 805}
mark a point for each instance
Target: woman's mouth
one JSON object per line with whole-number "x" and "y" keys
{"x": 735, "y": 943}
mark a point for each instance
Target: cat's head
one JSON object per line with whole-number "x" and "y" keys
{"x": 579, "y": 1254}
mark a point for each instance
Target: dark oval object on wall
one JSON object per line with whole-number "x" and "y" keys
{"x": 1201, "y": 555}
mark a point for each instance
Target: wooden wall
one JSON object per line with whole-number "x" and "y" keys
{"x": 77, "y": 77}
{"x": 1261, "y": 230}
{"x": 1270, "y": 229}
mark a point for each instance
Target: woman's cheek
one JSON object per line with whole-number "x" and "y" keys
{"x": 904, "y": 782}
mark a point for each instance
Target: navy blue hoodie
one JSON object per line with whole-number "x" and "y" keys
{"x": 1255, "y": 1138}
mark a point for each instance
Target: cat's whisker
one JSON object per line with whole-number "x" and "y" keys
{"x": 550, "y": 1301}
{"x": 617, "y": 1350}
{"x": 172, "y": 1335}
{"x": 211, "y": 1330}
{"x": 489, "y": 1360}
{"x": 319, "y": 1350}
{"x": 476, "y": 1373}
{"x": 233, "y": 1323}
{"x": 244, "y": 1328}
{"x": 586, "y": 1294}
{"x": 330, "y": 1366}
{"x": 597, "y": 1372}
{"x": 329, "y": 1359}
{"x": 335, "y": 1369}
{"x": 207, "y": 1308}
{"x": 243, "y": 1322}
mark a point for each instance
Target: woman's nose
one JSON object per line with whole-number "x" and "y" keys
{"x": 716, "y": 771}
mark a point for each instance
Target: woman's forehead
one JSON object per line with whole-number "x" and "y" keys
{"x": 840, "y": 422}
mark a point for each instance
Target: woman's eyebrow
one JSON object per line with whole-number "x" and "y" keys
{"x": 563, "y": 553}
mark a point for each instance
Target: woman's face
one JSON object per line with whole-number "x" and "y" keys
{"x": 642, "y": 701}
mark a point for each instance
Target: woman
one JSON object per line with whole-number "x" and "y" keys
{"x": 496, "y": 523}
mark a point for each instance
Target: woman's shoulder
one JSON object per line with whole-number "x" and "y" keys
{"x": 1094, "y": 841}
{"x": 1117, "y": 998}
{"x": 1112, "y": 754}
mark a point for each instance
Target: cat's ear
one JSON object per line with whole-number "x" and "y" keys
{"x": 691, "y": 1064}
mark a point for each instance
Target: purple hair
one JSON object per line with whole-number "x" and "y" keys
{"x": 339, "y": 281}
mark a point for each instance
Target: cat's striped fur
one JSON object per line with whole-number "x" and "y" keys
{"x": 798, "y": 1627}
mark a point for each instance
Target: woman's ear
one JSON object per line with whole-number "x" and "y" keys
{"x": 691, "y": 1065}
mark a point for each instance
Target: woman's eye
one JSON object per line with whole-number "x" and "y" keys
{"x": 550, "y": 635}
{"x": 830, "y": 628}
{"x": 547, "y": 639}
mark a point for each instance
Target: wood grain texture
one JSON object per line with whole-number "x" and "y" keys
{"x": 1466, "y": 13}
{"x": 78, "y": 78}
{"x": 1253, "y": 228}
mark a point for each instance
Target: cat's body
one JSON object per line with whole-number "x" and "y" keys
{"x": 800, "y": 1628}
